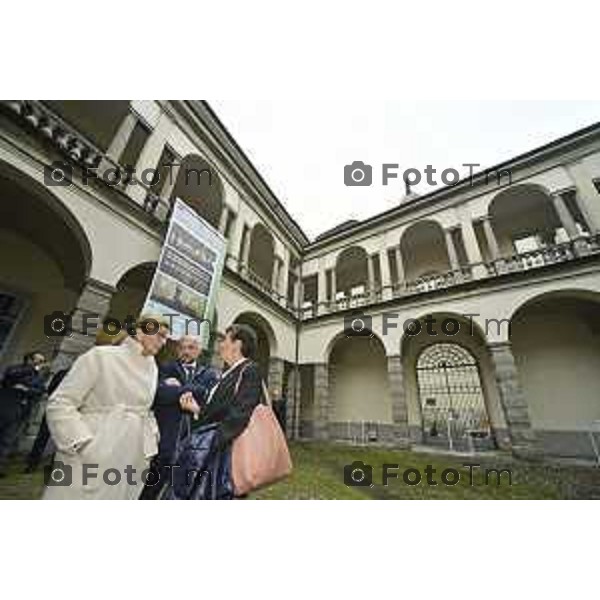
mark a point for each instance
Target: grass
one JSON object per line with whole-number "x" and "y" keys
{"x": 319, "y": 474}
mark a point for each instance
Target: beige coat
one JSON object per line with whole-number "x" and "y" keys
{"x": 100, "y": 416}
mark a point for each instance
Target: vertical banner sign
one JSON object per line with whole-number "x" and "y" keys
{"x": 185, "y": 284}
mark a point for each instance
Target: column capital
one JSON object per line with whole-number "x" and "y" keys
{"x": 500, "y": 346}
{"x": 565, "y": 190}
{"x": 451, "y": 228}
{"x": 101, "y": 288}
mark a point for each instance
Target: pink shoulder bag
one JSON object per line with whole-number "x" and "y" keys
{"x": 259, "y": 455}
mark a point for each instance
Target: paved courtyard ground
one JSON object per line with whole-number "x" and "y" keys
{"x": 319, "y": 474}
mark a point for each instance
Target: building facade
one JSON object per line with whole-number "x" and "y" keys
{"x": 464, "y": 318}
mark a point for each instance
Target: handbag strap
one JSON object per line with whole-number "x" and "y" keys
{"x": 185, "y": 422}
{"x": 266, "y": 394}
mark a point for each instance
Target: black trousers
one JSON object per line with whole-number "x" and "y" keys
{"x": 10, "y": 429}
{"x": 39, "y": 445}
{"x": 161, "y": 475}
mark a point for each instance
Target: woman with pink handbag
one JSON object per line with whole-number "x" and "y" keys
{"x": 247, "y": 426}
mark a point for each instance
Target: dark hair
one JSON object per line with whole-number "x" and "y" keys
{"x": 246, "y": 335}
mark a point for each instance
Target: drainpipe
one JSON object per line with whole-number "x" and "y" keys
{"x": 296, "y": 417}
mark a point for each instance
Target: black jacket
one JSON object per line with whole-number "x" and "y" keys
{"x": 232, "y": 410}
{"x": 166, "y": 402}
{"x": 18, "y": 401}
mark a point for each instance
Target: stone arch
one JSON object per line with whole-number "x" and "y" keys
{"x": 267, "y": 342}
{"x": 48, "y": 259}
{"x": 261, "y": 255}
{"x": 477, "y": 408}
{"x": 130, "y": 295}
{"x": 555, "y": 339}
{"x": 523, "y": 217}
{"x": 351, "y": 271}
{"x": 423, "y": 249}
{"x": 199, "y": 185}
{"x": 359, "y": 394}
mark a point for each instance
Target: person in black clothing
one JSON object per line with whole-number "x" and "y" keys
{"x": 240, "y": 389}
{"x": 180, "y": 379}
{"x": 43, "y": 435}
{"x": 22, "y": 387}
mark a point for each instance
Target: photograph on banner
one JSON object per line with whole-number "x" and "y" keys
{"x": 188, "y": 274}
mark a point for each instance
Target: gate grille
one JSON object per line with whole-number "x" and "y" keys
{"x": 452, "y": 402}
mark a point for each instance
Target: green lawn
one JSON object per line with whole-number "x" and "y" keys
{"x": 319, "y": 474}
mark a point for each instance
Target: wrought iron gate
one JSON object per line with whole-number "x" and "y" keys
{"x": 452, "y": 402}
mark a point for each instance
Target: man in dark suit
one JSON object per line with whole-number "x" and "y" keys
{"x": 184, "y": 378}
{"x": 240, "y": 388}
{"x": 43, "y": 435}
{"x": 22, "y": 387}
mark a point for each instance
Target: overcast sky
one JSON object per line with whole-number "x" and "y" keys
{"x": 301, "y": 147}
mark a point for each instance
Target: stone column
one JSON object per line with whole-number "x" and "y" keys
{"x": 285, "y": 274}
{"x": 399, "y": 267}
{"x": 94, "y": 301}
{"x": 472, "y": 249}
{"x": 148, "y": 159}
{"x": 171, "y": 180}
{"x": 276, "y": 370}
{"x": 167, "y": 190}
{"x": 370, "y": 276}
{"x": 292, "y": 403}
{"x": 119, "y": 142}
{"x": 386, "y": 280}
{"x": 322, "y": 400}
{"x": 321, "y": 291}
{"x": 333, "y": 285}
{"x": 516, "y": 412}
{"x": 245, "y": 258}
{"x": 274, "y": 273}
{"x": 223, "y": 219}
{"x": 588, "y": 198}
{"x": 297, "y": 294}
{"x": 490, "y": 238}
{"x": 398, "y": 395}
{"x": 565, "y": 217}
{"x": 234, "y": 245}
{"x": 297, "y": 300}
{"x": 452, "y": 255}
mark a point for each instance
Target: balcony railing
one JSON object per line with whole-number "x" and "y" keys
{"x": 248, "y": 275}
{"x": 526, "y": 261}
{"x": 548, "y": 255}
{"x": 78, "y": 149}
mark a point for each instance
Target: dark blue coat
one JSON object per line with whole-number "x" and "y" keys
{"x": 166, "y": 402}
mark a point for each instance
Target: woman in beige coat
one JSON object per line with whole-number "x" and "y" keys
{"x": 101, "y": 421}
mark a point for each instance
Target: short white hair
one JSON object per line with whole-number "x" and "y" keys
{"x": 193, "y": 338}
